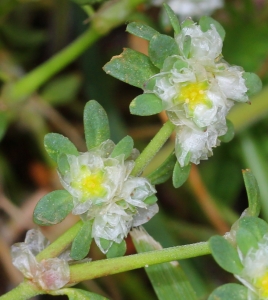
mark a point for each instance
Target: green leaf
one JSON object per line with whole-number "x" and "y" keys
{"x": 141, "y": 30}
{"x": 164, "y": 171}
{"x": 146, "y": 105}
{"x": 246, "y": 240}
{"x": 187, "y": 46}
{"x": 225, "y": 254}
{"x": 230, "y": 291}
{"x": 168, "y": 279}
{"x": 78, "y": 294}
{"x": 55, "y": 144}
{"x": 96, "y": 124}
{"x": 3, "y": 124}
{"x": 105, "y": 244}
{"x": 253, "y": 192}
{"x": 205, "y": 23}
{"x": 150, "y": 200}
{"x": 180, "y": 174}
{"x": 125, "y": 146}
{"x": 253, "y": 83}
{"x": 117, "y": 250}
{"x": 131, "y": 67}
{"x": 62, "y": 90}
{"x": 256, "y": 226}
{"x": 229, "y": 135}
{"x": 162, "y": 46}
{"x": 81, "y": 243}
{"x": 173, "y": 18}
{"x": 63, "y": 164}
{"x": 187, "y": 23}
{"x": 53, "y": 208}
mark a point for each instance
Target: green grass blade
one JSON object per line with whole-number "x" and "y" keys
{"x": 168, "y": 279}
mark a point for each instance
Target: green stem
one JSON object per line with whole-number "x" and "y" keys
{"x": 152, "y": 148}
{"x": 33, "y": 80}
{"x": 108, "y": 17}
{"x": 91, "y": 270}
{"x": 59, "y": 245}
{"x": 25, "y": 290}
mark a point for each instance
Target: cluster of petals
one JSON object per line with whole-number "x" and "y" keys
{"x": 255, "y": 272}
{"x": 198, "y": 91}
{"x": 48, "y": 274}
{"x": 191, "y": 8}
{"x": 103, "y": 191}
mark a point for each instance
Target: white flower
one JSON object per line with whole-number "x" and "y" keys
{"x": 255, "y": 272}
{"x": 104, "y": 192}
{"x": 191, "y": 8}
{"x": 49, "y": 274}
{"x": 197, "y": 92}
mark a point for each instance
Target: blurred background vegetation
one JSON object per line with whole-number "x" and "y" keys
{"x": 31, "y": 32}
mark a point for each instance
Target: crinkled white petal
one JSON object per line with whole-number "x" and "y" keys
{"x": 143, "y": 215}
{"x": 36, "y": 241}
{"x": 49, "y": 274}
{"x": 232, "y": 83}
{"x": 135, "y": 190}
{"x": 54, "y": 275}
{"x": 204, "y": 45}
{"x": 196, "y": 143}
{"x": 24, "y": 260}
{"x": 113, "y": 225}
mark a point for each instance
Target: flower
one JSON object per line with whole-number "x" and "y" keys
{"x": 104, "y": 191}
{"x": 255, "y": 272}
{"x": 191, "y": 8}
{"x": 48, "y": 274}
{"x": 198, "y": 88}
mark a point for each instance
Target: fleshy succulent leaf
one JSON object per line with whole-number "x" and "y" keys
{"x": 96, "y": 124}
{"x": 53, "y": 208}
{"x": 146, "y": 105}
{"x": 131, "y": 67}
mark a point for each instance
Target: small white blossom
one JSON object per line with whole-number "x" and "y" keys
{"x": 191, "y": 8}
{"x": 48, "y": 274}
{"x": 255, "y": 272}
{"x": 104, "y": 191}
{"x": 197, "y": 92}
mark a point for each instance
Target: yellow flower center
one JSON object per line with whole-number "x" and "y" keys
{"x": 262, "y": 284}
{"x": 90, "y": 184}
{"x": 193, "y": 94}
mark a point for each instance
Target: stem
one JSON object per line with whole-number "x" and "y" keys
{"x": 152, "y": 148}
{"x": 108, "y": 17}
{"x": 25, "y": 290}
{"x": 33, "y": 80}
{"x": 90, "y": 270}
{"x": 60, "y": 244}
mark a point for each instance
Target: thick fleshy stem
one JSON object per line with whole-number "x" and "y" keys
{"x": 91, "y": 270}
{"x": 25, "y": 290}
{"x": 107, "y": 18}
{"x": 60, "y": 244}
{"x": 152, "y": 148}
